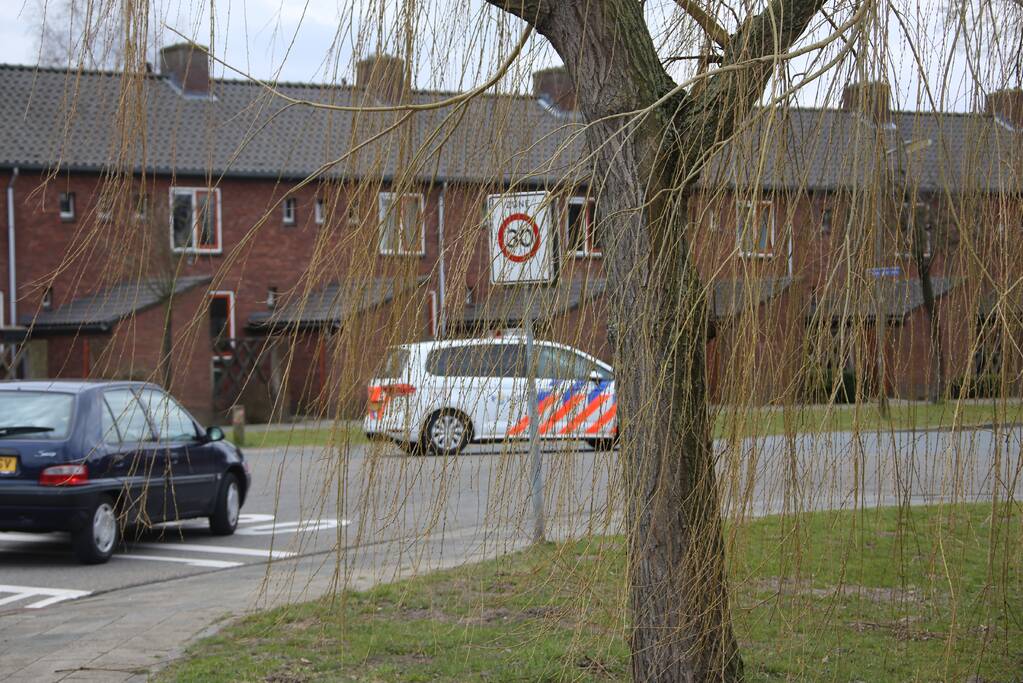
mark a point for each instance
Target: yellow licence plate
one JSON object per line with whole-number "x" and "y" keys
{"x": 8, "y": 463}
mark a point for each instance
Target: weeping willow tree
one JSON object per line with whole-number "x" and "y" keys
{"x": 706, "y": 205}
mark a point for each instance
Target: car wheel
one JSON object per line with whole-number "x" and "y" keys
{"x": 224, "y": 519}
{"x": 447, "y": 433}
{"x": 604, "y": 444}
{"x": 94, "y": 543}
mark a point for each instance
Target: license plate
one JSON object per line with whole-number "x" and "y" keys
{"x": 8, "y": 464}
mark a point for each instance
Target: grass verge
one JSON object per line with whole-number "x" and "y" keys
{"x": 920, "y": 594}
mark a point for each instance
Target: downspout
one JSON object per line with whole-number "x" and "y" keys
{"x": 12, "y": 280}
{"x": 441, "y": 285}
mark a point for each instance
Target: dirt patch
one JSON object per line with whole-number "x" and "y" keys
{"x": 902, "y": 629}
{"x": 869, "y": 593}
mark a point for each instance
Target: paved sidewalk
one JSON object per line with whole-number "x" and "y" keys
{"x": 128, "y": 635}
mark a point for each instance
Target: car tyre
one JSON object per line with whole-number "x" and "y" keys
{"x": 94, "y": 543}
{"x": 601, "y": 445}
{"x": 224, "y": 519}
{"x": 447, "y": 432}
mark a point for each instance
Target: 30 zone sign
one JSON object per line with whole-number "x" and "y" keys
{"x": 520, "y": 238}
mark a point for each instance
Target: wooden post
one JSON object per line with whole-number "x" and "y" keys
{"x": 238, "y": 424}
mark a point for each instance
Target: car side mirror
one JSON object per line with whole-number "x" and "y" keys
{"x": 595, "y": 376}
{"x": 214, "y": 434}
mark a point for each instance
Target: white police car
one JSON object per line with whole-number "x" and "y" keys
{"x": 441, "y": 396}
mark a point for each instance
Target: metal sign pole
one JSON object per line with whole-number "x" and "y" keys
{"x": 536, "y": 464}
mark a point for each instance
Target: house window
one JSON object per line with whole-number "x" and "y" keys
{"x": 401, "y": 224}
{"x": 67, "y": 206}
{"x": 222, "y": 330}
{"x": 195, "y": 220}
{"x": 290, "y": 210}
{"x": 908, "y": 220}
{"x": 755, "y": 229}
{"x": 826, "y": 217}
{"x": 105, "y": 209}
{"x": 47, "y": 302}
{"x": 579, "y": 233}
{"x": 319, "y": 211}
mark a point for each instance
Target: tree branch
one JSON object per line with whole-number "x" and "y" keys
{"x": 708, "y": 23}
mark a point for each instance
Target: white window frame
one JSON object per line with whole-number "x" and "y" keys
{"x": 3, "y": 310}
{"x": 289, "y": 211}
{"x": 385, "y": 201}
{"x": 231, "y": 330}
{"x": 588, "y": 250}
{"x": 217, "y": 227}
{"x": 70, "y": 214}
{"x": 742, "y": 209}
{"x": 319, "y": 211}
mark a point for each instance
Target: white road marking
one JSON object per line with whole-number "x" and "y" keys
{"x": 216, "y": 549}
{"x": 304, "y": 525}
{"x": 247, "y": 518}
{"x": 52, "y": 595}
{"x": 19, "y": 537}
{"x": 191, "y": 561}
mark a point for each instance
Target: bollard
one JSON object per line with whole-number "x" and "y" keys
{"x": 238, "y": 425}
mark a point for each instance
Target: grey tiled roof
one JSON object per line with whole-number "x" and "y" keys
{"x": 896, "y": 299}
{"x": 834, "y": 149}
{"x": 731, "y": 297}
{"x": 334, "y": 303}
{"x": 510, "y": 306}
{"x": 102, "y": 309}
{"x": 50, "y": 117}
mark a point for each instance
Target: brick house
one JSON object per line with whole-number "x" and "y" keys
{"x": 276, "y": 249}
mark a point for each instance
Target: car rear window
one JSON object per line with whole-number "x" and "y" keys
{"x": 50, "y": 410}
{"x": 394, "y": 364}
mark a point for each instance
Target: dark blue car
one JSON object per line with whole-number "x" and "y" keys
{"x": 95, "y": 457}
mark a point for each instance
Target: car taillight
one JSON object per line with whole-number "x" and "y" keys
{"x": 64, "y": 475}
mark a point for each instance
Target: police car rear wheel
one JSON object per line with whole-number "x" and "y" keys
{"x": 447, "y": 433}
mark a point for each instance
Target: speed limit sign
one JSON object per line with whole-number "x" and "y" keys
{"x": 520, "y": 238}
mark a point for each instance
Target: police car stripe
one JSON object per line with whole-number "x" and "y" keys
{"x": 590, "y": 409}
{"x": 604, "y": 419}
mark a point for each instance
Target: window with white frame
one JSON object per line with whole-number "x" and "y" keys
{"x": 401, "y": 224}
{"x": 580, "y": 236}
{"x": 319, "y": 211}
{"x": 67, "y": 206}
{"x": 755, "y": 229}
{"x": 222, "y": 330}
{"x": 105, "y": 208}
{"x": 290, "y": 210}
{"x": 195, "y": 219}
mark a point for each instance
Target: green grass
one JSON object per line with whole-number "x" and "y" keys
{"x": 770, "y": 421}
{"x": 924, "y": 594}
{"x": 729, "y": 422}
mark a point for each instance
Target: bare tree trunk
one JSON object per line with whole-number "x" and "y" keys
{"x": 936, "y": 386}
{"x": 643, "y": 166}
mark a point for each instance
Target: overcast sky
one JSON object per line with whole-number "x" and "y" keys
{"x": 314, "y": 40}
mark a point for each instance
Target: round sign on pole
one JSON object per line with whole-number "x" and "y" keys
{"x": 519, "y": 237}
{"x": 520, "y": 245}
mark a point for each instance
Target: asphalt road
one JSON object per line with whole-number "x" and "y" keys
{"x": 373, "y": 512}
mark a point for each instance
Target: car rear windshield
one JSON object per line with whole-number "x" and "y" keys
{"x": 394, "y": 364}
{"x": 43, "y": 409}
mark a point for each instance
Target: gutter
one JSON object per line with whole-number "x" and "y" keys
{"x": 441, "y": 285}
{"x": 12, "y": 279}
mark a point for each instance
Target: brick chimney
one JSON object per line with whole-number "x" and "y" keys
{"x": 871, "y": 98}
{"x": 187, "y": 67}
{"x": 1006, "y": 105}
{"x": 556, "y": 87}
{"x": 382, "y": 76}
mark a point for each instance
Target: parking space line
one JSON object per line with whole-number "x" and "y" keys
{"x": 52, "y": 595}
{"x": 217, "y": 550}
{"x": 191, "y": 561}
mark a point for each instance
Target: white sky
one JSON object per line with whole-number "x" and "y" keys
{"x": 314, "y": 40}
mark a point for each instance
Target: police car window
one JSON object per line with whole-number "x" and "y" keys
{"x": 394, "y": 364}
{"x": 130, "y": 418}
{"x": 555, "y": 363}
{"x": 513, "y": 360}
